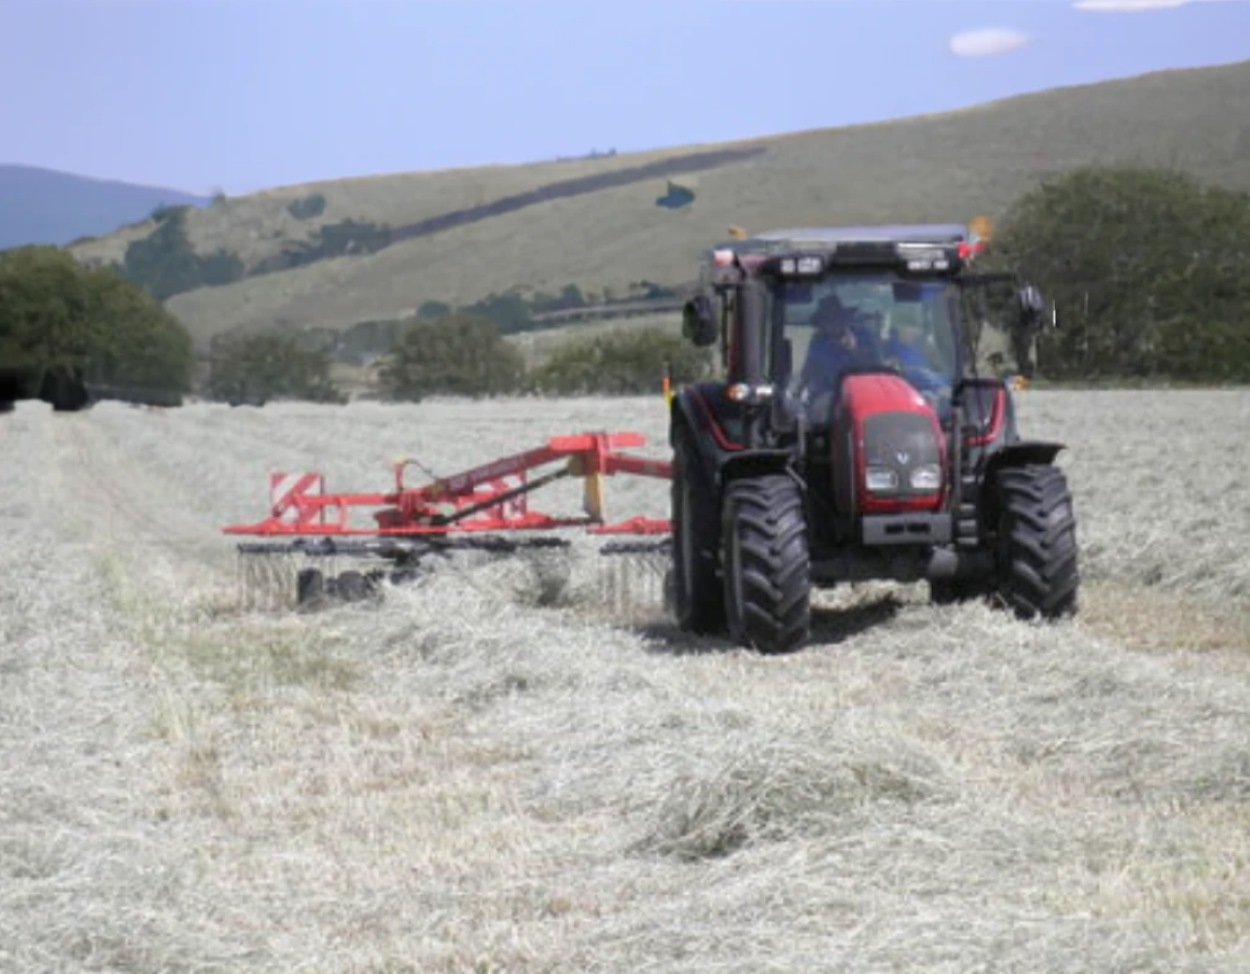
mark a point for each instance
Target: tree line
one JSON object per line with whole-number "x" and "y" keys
{"x": 94, "y": 329}
{"x": 458, "y": 355}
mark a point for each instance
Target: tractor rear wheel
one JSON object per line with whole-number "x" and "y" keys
{"x": 767, "y": 565}
{"x": 1037, "y": 551}
{"x": 697, "y": 591}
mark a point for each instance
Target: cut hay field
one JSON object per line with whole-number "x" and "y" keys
{"x": 487, "y": 774}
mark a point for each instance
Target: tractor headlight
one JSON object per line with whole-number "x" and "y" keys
{"x": 809, "y": 265}
{"x": 742, "y": 392}
{"x": 927, "y": 476}
{"x": 881, "y": 480}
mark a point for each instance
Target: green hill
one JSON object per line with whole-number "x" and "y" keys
{"x": 333, "y": 254}
{"x": 42, "y": 206}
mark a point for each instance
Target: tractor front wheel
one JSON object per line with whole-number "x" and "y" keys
{"x": 696, "y": 590}
{"x": 1037, "y": 550}
{"x": 767, "y": 566}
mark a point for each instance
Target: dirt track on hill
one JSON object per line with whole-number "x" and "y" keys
{"x": 566, "y": 188}
{"x": 468, "y": 777}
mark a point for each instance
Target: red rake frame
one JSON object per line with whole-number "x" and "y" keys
{"x": 492, "y": 497}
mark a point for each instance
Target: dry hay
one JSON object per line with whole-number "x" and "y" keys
{"x": 482, "y": 773}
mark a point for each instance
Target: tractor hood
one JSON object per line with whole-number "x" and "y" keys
{"x": 888, "y": 448}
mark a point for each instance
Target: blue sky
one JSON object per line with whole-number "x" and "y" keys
{"x": 244, "y": 94}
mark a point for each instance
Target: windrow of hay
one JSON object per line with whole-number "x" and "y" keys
{"x": 1161, "y": 504}
{"x": 490, "y": 771}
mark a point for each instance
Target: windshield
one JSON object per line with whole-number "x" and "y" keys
{"x": 860, "y": 321}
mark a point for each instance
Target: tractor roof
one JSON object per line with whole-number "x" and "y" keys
{"x": 939, "y": 248}
{"x": 829, "y": 238}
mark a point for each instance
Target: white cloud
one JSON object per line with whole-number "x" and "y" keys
{"x": 1127, "y": 6}
{"x": 988, "y": 42}
{"x": 1137, "y": 6}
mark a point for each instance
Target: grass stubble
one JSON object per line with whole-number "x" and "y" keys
{"x": 489, "y": 772}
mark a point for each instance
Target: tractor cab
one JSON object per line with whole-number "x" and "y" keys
{"x": 862, "y": 320}
{"x": 856, "y": 397}
{"x": 797, "y": 310}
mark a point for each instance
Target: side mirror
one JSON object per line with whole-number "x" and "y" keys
{"x": 698, "y": 322}
{"x": 1032, "y": 309}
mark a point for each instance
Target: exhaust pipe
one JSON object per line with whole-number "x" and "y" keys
{"x": 946, "y": 563}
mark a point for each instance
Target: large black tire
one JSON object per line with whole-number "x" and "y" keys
{"x": 767, "y": 566}
{"x": 697, "y": 593}
{"x": 1036, "y": 554}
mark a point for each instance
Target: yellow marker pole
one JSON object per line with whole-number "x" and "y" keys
{"x": 594, "y": 502}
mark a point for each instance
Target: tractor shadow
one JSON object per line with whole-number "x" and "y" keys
{"x": 830, "y": 625}
{"x": 666, "y": 638}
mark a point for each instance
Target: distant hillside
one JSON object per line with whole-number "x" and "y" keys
{"x": 333, "y": 254}
{"x": 42, "y": 206}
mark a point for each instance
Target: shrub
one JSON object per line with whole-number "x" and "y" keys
{"x": 509, "y": 312}
{"x": 307, "y": 207}
{"x": 621, "y": 363}
{"x": 257, "y": 368}
{"x": 459, "y": 355}
{"x": 676, "y": 196}
{"x": 57, "y": 314}
{"x": 352, "y": 237}
{"x": 1147, "y": 268}
{"x": 163, "y": 212}
{"x": 141, "y": 347}
{"x": 164, "y": 262}
{"x": 433, "y": 310}
{"x": 345, "y": 238}
{"x": 570, "y": 297}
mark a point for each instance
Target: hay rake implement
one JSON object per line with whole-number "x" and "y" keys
{"x": 399, "y": 535}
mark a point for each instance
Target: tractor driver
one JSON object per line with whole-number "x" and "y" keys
{"x": 840, "y": 343}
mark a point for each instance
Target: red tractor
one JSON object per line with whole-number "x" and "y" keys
{"x": 852, "y": 437}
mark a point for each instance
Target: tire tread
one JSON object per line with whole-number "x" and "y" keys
{"x": 1038, "y": 571}
{"x": 767, "y": 514}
